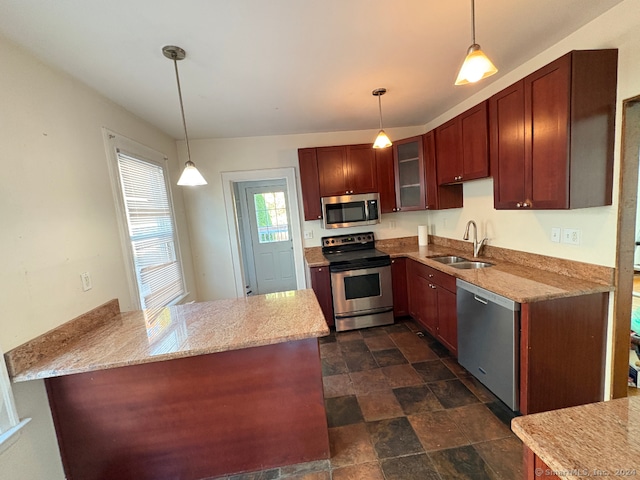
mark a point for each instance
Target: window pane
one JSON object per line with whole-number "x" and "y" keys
{"x": 151, "y": 232}
{"x": 271, "y": 217}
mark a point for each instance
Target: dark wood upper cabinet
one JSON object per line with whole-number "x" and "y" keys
{"x": 552, "y": 134}
{"x": 437, "y": 196}
{"x": 332, "y": 171}
{"x": 462, "y": 146}
{"x": 409, "y": 174}
{"x": 386, "y": 179}
{"x": 346, "y": 170}
{"x": 309, "y": 181}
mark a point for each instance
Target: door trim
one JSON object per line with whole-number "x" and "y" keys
{"x": 289, "y": 175}
{"x": 625, "y": 246}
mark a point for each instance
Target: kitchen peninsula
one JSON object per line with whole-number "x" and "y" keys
{"x": 200, "y": 390}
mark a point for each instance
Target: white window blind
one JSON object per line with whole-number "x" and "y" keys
{"x": 151, "y": 231}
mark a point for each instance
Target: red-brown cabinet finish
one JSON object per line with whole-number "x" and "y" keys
{"x": 346, "y": 170}
{"x": 409, "y": 174}
{"x": 308, "y": 163}
{"x": 562, "y": 352}
{"x": 386, "y": 179}
{"x": 462, "y": 151}
{"x": 535, "y": 468}
{"x": 432, "y": 302}
{"x": 552, "y": 134}
{"x": 321, "y": 285}
{"x": 399, "y": 285}
{"x": 438, "y": 197}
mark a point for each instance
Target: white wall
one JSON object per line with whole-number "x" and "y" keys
{"x": 206, "y": 209}
{"x": 58, "y": 220}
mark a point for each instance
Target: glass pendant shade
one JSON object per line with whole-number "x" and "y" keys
{"x": 382, "y": 140}
{"x": 475, "y": 67}
{"x": 191, "y": 176}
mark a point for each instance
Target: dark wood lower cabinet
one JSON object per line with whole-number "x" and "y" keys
{"x": 193, "y": 418}
{"x": 321, "y": 285}
{"x": 432, "y": 303}
{"x": 399, "y": 282}
{"x": 534, "y": 468}
{"x": 562, "y": 352}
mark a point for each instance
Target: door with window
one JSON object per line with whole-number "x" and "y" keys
{"x": 270, "y": 239}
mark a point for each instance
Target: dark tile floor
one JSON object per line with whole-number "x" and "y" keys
{"x": 400, "y": 408}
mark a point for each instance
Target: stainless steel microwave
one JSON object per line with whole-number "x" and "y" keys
{"x": 350, "y": 210}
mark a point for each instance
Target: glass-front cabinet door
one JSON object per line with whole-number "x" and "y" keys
{"x": 409, "y": 166}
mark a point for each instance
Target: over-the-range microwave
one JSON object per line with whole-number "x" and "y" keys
{"x": 350, "y": 210}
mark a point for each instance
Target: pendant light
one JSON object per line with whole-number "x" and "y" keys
{"x": 476, "y": 65}
{"x": 190, "y": 175}
{"x": 382, "y": 141}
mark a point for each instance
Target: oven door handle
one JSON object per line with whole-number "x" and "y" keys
{"x": 363, "y": 313}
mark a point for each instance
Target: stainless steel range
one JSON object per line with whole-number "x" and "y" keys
{"x": 360, "y": 281}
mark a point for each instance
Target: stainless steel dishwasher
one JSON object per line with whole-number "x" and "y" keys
{"x": 488, "y": 340}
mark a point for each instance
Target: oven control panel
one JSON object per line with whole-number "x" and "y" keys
{"x": 354, "y": 239}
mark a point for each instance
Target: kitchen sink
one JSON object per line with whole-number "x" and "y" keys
{"x": 466, "y": 265}
{"x": 448, "y": 259}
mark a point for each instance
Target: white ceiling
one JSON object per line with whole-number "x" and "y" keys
{"x": 269, "y": 67}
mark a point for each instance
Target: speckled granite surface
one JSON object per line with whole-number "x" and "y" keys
{"x": 130, "y": 338}
{"x": 599, "y": 439}
{"x": 520, "y": 276}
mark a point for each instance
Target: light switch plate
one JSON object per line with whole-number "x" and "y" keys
{"x": 555, "y": 234}
{"x": 308, "y": 234}
{"x": 86, "y": 281}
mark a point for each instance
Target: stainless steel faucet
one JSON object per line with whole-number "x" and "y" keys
{"x": 477, "y": 246}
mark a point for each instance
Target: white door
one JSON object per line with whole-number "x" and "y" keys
{"x": 271, "y": 240}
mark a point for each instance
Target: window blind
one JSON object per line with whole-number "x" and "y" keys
{"x": 151, "y": 231}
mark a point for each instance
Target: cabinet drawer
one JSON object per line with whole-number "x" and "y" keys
{"x": 436, "y": 276}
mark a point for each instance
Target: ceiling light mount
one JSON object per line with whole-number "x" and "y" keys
{"x": 476, "y": 65}
{"x": 382, "y": 140}
{"x": 190, "y": 175}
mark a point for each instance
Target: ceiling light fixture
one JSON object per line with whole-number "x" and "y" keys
{"x": 476, "y": 65}
{"x": 190, "y": 175}
{"x": 382, "y": 140}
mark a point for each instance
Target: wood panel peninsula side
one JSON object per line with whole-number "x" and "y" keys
{"x": 202, "y": 390}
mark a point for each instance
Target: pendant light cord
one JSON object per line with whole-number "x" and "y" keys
{"x": 380, "y": 110}
{"x": 473, "y": 21}
{"x": 184, "y": 122}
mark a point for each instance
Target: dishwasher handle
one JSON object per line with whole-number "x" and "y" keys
{"x": 487, "y": 297}
{"x": 480, "y": 299}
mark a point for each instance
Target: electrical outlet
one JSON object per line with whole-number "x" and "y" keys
{"x": 392, "y": 225}
{"x": 308, "y": 234}
{"x": 571, "y": 236}
{"x": 86, "y": 281}
{"x": 555, "y": 234}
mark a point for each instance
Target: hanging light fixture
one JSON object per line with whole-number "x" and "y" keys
{"x": 382, "y": 141}
{"x": 190, "y": 175}
{"x": 476, "y": 65}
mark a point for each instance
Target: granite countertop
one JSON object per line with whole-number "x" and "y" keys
{"x": 524, "y": 278}
{"x": 599, "y": 439}
{"x": 129, "y": 338}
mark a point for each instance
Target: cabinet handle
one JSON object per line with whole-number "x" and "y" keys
{"x": 319, "y": 216}
{"x": 432, "y": 286}
{"x": 526, "y": 205}
{"x": 431, "y": 275}
{"x": 518, "y": 205}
